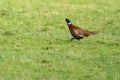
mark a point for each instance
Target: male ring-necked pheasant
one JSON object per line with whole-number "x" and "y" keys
{"x": 77, "y": 32}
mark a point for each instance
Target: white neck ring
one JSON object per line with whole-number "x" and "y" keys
{"x": 68, "y": 23}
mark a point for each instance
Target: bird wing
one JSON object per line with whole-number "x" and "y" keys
{"x": 78, "y": 32}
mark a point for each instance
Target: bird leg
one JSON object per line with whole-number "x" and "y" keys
{"x": 72, "y": 39}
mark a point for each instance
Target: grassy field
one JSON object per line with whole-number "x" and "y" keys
{"x": 35, "y": 40}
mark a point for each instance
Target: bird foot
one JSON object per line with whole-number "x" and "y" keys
{"x": 72, "y": 39}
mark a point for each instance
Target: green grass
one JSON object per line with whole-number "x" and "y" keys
{"x": 35, "y": 40}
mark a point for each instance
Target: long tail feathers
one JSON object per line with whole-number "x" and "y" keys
{"x": 88, "y": 33}
{"x": 93, "y": 33}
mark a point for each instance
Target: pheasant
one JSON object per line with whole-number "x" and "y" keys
{"x": 77, "y": 32}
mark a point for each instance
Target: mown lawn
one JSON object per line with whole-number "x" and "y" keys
{"x": 35, "y": 40}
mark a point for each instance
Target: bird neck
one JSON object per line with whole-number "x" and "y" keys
{"x": 69, "y": 23}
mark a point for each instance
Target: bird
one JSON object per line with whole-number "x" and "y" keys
{"x": 77, "y": 32}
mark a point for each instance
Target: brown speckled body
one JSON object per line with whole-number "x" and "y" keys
{"x": 77, "y": 32}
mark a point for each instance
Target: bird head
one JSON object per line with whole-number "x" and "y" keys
{"x": 68, "y": 21}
